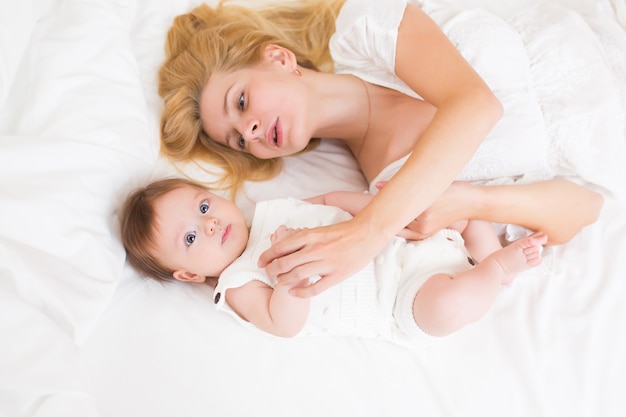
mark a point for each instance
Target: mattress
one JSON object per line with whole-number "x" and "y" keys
{"x": 82, "y": 335}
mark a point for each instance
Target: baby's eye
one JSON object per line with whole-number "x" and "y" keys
{"x": 241, "y": 102}
{"x": 204, "y": 207}
{"x": 241, "y": 143}
{"x": 190, "y": 238}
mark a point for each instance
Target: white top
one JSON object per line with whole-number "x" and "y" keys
{"x": 364, "y": 304}
{"x": 349, "y": 308}
{"x": 364, "y": 45}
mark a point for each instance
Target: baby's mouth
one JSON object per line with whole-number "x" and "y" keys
{"x": 226, "y": 234}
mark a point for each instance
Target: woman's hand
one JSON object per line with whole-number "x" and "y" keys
{"x": 333, "y": 252}
{"x": 454, "y": 204}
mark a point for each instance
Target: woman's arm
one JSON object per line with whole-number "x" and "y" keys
{"x": 466, "y": 111}
{"x": 558, "y": 207}
{"x": 566, "y": 207}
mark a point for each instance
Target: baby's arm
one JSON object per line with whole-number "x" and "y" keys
{"x": 274, "y": 310}
{"x": 350, "y": 201}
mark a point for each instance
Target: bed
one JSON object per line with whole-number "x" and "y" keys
{"x": 81, "y": 335}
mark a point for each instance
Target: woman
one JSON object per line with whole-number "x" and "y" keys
{"x": 242, "y": 88}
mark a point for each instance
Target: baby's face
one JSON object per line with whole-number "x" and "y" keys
{"x": 198, "y": 232}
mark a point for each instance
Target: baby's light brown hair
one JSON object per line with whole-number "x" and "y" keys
{"x": 138, "y": 224}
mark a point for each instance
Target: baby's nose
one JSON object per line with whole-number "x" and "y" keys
{"x": 211, "y": 225}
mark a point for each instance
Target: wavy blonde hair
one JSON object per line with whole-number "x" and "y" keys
{"x": 224, "y": 39}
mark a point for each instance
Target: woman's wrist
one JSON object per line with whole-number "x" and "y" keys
{"x": 374, "y": 231}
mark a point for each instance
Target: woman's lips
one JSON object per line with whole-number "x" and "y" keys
{"x": 274, "y": 136}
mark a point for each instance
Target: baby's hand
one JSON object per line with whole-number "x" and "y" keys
{"x": 281, "y": 233}
{"x": 318, "y": 199}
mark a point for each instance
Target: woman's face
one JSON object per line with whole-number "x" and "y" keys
{"x": 260, "y": 110}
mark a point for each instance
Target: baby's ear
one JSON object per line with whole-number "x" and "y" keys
{"x": 187, "y": 276}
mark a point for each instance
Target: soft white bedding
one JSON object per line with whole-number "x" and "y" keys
{"x": 82, "y": 335}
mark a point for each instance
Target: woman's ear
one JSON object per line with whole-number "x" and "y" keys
{"x": 187, "y": 276}
{"x": 281, "y": 55}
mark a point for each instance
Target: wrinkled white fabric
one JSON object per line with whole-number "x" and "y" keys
{"x": 561, "y": 111}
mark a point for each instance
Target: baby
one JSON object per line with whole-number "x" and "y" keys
{"x": 175, "y": 229}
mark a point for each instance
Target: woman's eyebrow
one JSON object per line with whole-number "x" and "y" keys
{"x": 227, "y": 139}
{"x": 227, "y": 113}
{"x": 226, "y": 95}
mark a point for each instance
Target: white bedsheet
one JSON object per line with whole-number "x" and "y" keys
{"x": 82, "y": 335}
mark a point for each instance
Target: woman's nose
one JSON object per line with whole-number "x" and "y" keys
{"x": 252, "y": 131}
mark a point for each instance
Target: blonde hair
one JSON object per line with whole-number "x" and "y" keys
{"x": 138, "y": 224}
{"x": 226, "y": 38}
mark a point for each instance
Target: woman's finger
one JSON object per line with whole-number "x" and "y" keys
{"x": 282, "y": 248}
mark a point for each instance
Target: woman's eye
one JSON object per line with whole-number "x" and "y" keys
{"x": 241, "y": 143}
{"x": 241, "y": 103}
{"x": 190, "y": 238}
{"x": 204, "y": 207}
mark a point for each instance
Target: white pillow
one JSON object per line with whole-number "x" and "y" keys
{"x": 74, "y": 140}
{"x": 17, "y": 20}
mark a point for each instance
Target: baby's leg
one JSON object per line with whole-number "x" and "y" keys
{"x": 517, "y": 257}
{"x": 480, "y": 239}
{"x": 447, "y": 303}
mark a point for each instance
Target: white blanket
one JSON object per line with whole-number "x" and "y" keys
{"x": 82, "y": 335}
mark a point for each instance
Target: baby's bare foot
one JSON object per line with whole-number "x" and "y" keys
{"x": 520, "y": 255}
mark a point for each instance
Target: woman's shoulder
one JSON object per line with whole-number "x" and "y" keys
{"x": 383, "y": 13}
{"x": 366, "y": 35}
